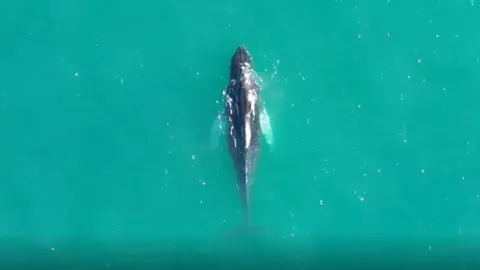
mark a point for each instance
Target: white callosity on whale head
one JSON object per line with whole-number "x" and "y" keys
{"x": 247, "y": 74}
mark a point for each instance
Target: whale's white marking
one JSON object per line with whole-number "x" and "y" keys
{"x": 266, "y": 126}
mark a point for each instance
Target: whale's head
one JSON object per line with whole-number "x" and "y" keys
{"x": 241, "y": 60}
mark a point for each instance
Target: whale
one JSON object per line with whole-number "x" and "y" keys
{"x": 244, "y": 120}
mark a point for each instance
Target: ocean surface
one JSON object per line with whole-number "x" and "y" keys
{"x": 107, "y": 107}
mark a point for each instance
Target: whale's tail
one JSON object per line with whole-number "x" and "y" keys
{"x": 241, "y": 235}
{"x": 247, "y": 230}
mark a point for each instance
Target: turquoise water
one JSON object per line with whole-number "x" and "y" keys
{"x": 106, "y": 110}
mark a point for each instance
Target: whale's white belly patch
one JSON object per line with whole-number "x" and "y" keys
{"x": 248, "y": 133}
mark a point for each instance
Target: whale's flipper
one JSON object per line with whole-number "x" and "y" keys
{"x": 266, "y": 126}
{"x": 219, "y": 128}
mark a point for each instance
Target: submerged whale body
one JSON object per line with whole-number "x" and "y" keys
{"x": 244, "y": 120}
{"x": 244, "y": 131}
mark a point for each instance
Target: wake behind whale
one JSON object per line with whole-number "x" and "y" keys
{"x": 244, "y": 120}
